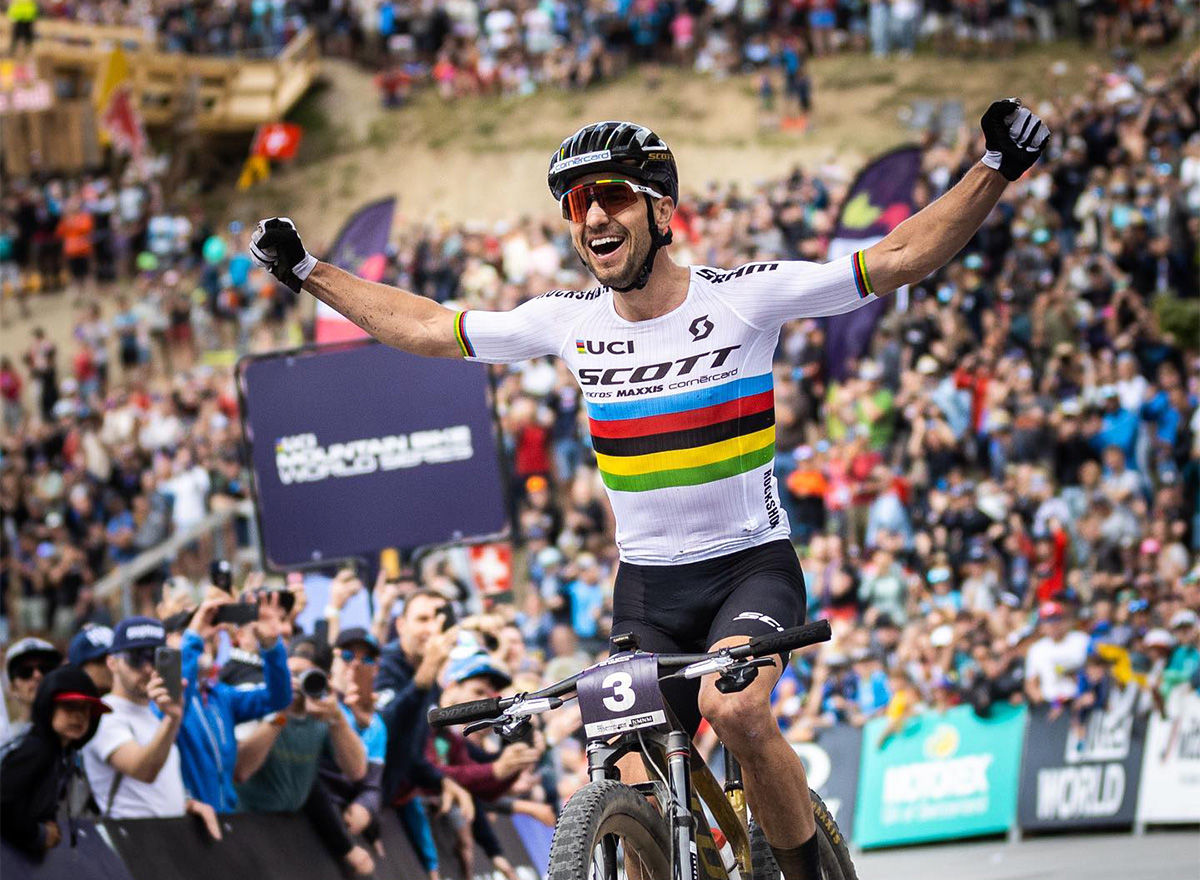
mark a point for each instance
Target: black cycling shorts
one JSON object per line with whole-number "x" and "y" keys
{"x": 687, "y": 608}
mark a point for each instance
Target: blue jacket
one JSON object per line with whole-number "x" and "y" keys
{"x": 207, "y": 748}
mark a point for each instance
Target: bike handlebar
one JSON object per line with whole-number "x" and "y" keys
{"x": 760, "y": 646}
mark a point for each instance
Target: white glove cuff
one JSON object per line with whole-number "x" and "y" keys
{"x": 304, "y": 268}
{"x": 991, "y": 159}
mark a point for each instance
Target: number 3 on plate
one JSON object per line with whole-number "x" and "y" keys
{"x": 623, "y": 695}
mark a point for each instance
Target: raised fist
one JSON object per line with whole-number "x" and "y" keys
{"x": 1014, "y": 137}
{"x": 276, "y": 246}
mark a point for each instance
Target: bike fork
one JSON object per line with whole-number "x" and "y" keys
{"x": 679, "y": 754}
{"x": 735, "y": 792}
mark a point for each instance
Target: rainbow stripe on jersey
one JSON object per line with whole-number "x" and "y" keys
{"x": 685, "y": 439}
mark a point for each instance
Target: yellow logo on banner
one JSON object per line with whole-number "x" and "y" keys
{"x": 942, "y": 743}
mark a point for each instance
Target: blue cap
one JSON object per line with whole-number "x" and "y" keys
{"x": 477, "y": 664}
{"x": 138, "y": 632}
{"x": 1138, "y": 605}
{"x": 90, "y": 643}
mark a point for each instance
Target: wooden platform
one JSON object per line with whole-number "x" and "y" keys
{"x": 195, "y": 93}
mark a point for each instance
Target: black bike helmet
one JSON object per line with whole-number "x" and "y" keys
{"x": 624, "y": 148}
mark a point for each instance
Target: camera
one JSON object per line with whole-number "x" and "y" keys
{"x": 314, "y": 683}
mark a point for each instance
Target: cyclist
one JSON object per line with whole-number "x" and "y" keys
{"x": 674, "y": 363}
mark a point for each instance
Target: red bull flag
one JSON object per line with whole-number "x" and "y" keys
{"x": 117, "y": 114}
{"x": 360, "y": 248}
{"x": 880, "y": 199}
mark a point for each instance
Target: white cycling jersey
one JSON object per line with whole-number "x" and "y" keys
{"x": 681, "y": 407}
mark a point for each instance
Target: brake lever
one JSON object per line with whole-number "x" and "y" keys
{"x": 480, "y": 725}
{"x": 737, "y": 678}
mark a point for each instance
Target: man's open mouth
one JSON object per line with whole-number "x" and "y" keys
{"x": 604, "y": 245}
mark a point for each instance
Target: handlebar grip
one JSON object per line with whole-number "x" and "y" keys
{"x": 476, "y": 710}
{"x": 791, "y": 639}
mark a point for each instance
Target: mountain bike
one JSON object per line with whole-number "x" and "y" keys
{"x": 655, "y": 830}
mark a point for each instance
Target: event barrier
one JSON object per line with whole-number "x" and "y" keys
{"x": 943, "y": 776}
{"x": 1085, "y": 777}
{"x": 266, "y": 847}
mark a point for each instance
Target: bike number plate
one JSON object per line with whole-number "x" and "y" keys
{"x": 621, "y": 694}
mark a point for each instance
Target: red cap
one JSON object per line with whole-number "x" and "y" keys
{"x": 98, "y": 706}
{"x": 1050, "y": 609}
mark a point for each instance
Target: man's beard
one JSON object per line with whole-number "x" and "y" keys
{"x": 627, "y": 273}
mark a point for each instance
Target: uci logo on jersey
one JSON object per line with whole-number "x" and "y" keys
{"x": 591, "y": 346}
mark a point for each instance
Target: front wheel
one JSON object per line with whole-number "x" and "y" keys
{"x": 608, "y": 831}
{"x": 835, "y": 855}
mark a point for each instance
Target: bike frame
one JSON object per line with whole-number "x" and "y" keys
{"x": 679, "y": 781}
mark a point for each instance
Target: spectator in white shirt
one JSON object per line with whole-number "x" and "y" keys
{"x": 1054, "y": 659}
{"x": 132, "y": 762}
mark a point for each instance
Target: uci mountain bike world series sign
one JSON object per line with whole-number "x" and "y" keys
{"x": 356, "y": 447}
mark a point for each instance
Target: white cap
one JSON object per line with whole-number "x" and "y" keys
{"x": 1185, "y": 617}
{"x": 1159, "y": 638}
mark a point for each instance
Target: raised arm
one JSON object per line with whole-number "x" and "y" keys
{"x": 393, "y": 316}
{"x": 925, "y": 242}
{"x": 396, "y": 317}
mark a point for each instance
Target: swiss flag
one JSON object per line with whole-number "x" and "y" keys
{"x": 277, "y": 141}
{"x": 491, "y": 566}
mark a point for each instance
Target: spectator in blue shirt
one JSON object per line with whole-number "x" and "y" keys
{"x": 207, "y": 746}
{"x": 587, "y": 594}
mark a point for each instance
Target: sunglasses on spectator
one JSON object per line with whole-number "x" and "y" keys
{"x": 26, "y": 670}
{"x": 613, "y": 197}
{"x": 139, "y": 657}
{"x": 349, "y": 656}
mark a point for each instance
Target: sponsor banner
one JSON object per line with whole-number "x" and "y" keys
{"x": 831, "y": 765}
{"x": 361, "y": 447}
{"x": 880, "y": 198}
{"x": 359, "y": 248}
{"x": 1083, "y": 774}
{"x": 944, "y": 776}
{"x": 1170, "y": 783}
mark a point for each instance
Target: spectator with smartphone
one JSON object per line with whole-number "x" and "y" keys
{"x": 355, "y": 658}
{"x": 35, "y": 771}
{"x": 133, "y": 763}
{"x": 89, "y": 651}
{"x": 27, "y": 662}
{"x": 207, "y": 745}
{"x": 406, "y": 688}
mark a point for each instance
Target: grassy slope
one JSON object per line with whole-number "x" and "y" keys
{"x": 486, "y": 158}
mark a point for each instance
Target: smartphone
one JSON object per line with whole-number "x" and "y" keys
{"x": 168, "y": 663}
{"x": 221, "y": 575}
{"x": 321, "y": 631}
{"x": 364, "y": 677}
{"x": 389, "y": 562}
{"x": 237, "y": 613}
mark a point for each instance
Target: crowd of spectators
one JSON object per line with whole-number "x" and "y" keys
{"x": 516, "y": 46}
{"x": 999, "y": 501}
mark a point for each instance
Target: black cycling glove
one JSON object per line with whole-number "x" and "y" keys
{"x": 276, "y": 246}
{"x": 1014, "y": 137}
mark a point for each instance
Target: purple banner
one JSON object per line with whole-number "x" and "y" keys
{"x": 880, "y": 199}
{"x": 363, "y": 236}
{"x": 358, "y": 447}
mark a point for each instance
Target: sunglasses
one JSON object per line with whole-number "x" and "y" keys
{"x": 139, "y": 658}
{"x": 26, "y": 670}
{"x": 349, "y": 656}
{"x": 613, "y": 197}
